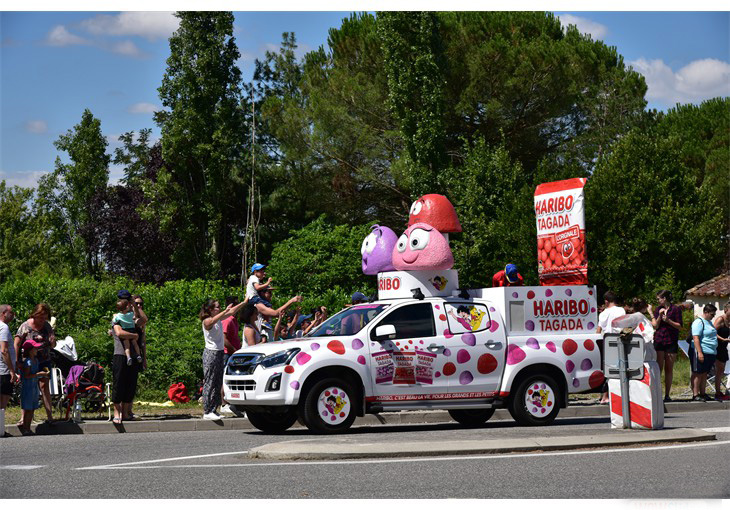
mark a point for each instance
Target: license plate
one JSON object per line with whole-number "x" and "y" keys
{"x": 235, "y": 395}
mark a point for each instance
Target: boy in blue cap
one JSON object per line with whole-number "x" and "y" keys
{"x": 508, "y": 277}
{"x": 254, "y": 284}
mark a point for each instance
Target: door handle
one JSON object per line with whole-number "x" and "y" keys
{"x": 435, "y": 348}
{"x": 491, "y": 344}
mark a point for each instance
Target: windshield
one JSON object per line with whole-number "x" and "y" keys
{"x": 349, "y": 321}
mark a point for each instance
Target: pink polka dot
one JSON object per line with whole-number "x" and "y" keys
{"x": 462, "y": 356}
{"x": 361, "y": 360}
{"x": 568, "y": 292}
{"x": 465, "y": 377}
{"x": 315, "y": 346}
{"x": 303, "y": 358}
{"x": 529, "y": 326}
{"x": 493, "y": 326}
{"x": 586, "y": 364}
{"x": 437, "y": 374}
{"x": 357, "y": 344}
{"x": 569, "y": 366}
{"x": 469, "y": 339}
{"x": 548, "y": 292}
{"x": 294, "y": 384}
{"x": 532, "y": 343}
{"x": 551, "y": 347}
{"x": 448, "y": 334}
{"x": 515, "y": 355}
{"x": 437, "y": 307}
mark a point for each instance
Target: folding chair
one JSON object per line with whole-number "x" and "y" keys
{"x": 58, "y": 390}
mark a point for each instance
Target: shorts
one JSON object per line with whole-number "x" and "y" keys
{"x": 6, "y": 385}
{"x": 722, "y": 352}
{"x": 701, "y": 367}
{"x": 667, "y": 348}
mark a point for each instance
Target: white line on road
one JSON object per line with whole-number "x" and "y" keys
{"x": 112, "y": 466}
{"x": 718, "y": 429}
{"x": 131, "y": 465}
{"x": 21, "y": 467}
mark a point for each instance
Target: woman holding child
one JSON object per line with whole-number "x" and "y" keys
{"x": 38, "y": 329}
{"x": 125, "y": 366}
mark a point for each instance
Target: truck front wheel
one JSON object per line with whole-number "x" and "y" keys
{"x": 272, "y": 422}
{"x": 536, "y": 401}
{"x": 329, "y": 407}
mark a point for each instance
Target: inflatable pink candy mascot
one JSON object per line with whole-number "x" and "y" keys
{"x": 422, "y": 247}
{"x": 377, "y": 250}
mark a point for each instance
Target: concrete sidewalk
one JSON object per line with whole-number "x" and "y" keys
{"x": 173, "y": 424}
{"x": 334, "y": 448}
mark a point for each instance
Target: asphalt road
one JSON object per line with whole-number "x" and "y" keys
{"x": 215, "y": 465}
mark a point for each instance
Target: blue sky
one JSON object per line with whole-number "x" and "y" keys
{"x": 53, "y": 65}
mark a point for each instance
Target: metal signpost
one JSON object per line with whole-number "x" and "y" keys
{"x": 624, "y": 360}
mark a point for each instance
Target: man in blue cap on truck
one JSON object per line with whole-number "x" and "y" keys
{"x": 508, "y": 277}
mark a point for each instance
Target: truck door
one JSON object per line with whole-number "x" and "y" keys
{"x": 477, "y": 347}
{"x": 405, "y": 365}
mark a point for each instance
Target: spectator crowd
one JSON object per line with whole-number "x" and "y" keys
{"x": 26, "y": 356}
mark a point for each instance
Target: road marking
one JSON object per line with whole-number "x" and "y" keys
{"x": 131, "y": 465}
{"x": 21, "y": 467}
{"x": 718, "y": 429}
{"x": 112, "y": 466}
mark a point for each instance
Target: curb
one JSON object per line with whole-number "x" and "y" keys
{"x": 387, "y": 418}
{"x": 335, "y": 449}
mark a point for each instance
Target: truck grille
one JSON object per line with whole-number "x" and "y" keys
{"x": 246, "y": 385}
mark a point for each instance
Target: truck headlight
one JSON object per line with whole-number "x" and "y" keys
{"x": 279, "y": 358}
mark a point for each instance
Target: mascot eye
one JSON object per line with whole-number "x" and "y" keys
{"x": 416, "y": 207}
{"x": 402, "y": 243}
{"x": 368, "y": 245}
{"x": 419, "y": 239}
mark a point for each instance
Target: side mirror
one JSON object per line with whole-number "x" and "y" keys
{"x": 384, "y": 332}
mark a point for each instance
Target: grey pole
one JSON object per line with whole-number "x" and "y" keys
{"x": 623, "y": 365}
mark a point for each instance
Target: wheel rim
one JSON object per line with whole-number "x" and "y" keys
{"x": 333, "y": 405}
{"x": 539, "y": 399}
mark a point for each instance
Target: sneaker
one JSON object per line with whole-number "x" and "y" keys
{"x": 212, "y": 417}
{"x": 697, "y": 398}
{"x": 139, "y": 359}
{"x": 129, "y": 362}
{"x": 226, "y": 409}
{"x": 707, "y": 398}
{"x": 667, "y": 399}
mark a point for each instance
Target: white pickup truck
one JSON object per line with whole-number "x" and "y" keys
{"x": 425, "y": 344}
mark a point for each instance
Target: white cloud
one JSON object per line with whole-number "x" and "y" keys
{"x": 127, "y": 48}
{"x": 150, "y": 25}
{"x": 59, "y": 36}
{"x": 584, "y": 26}
{"x": 693, "y": 83}
{"x": 22, "y": 179}
{"x": 37, "y": 127}
{"x": 143, "y": 108}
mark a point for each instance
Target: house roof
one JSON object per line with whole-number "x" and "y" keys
{"x": 717, "y": 286}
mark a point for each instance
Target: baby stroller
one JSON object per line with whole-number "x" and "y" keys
{"x": 84, "y": 391}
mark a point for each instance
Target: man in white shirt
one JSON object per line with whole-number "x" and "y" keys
{"x": 8, "y": 377}
{"x": 254, "y": 284}
{"x": 610, "y": 312}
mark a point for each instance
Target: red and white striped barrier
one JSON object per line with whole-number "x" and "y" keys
{"x": 645, "y": 403}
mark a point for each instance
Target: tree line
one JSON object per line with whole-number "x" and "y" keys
{"x": 294, "y": 165}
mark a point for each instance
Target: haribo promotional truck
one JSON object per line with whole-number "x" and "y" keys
{"x": 426, "y": 343}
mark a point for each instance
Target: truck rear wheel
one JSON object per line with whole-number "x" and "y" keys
{"x": 329, "y": 406}
{"x": 536, "y": 400}
{"x": 272, "y": 422}
{"x": 472, "y": 417}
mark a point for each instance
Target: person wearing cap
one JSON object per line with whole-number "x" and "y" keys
{"x": 29, "y": 392}
{"x": 8, "y": 376}
{"x": 262, "y": 301}
{"x": 254, "y": 284}
{"x": 38, "y": 329}
{"x": 508, "y": 277}
{"x": 124, "y": 375}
